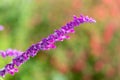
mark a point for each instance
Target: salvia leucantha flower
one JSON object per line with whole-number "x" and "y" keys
{"x": 44, "y": 44}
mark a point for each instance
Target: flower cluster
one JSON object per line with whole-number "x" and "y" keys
{"x": 10, "y": 52}
{"x": 44, "y": 44}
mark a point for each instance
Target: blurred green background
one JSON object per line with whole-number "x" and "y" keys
{"x": 92, "y": 53}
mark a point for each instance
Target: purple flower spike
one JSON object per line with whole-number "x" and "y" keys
{"x": 10, "y": 52}
{"x": 45, "y": 44}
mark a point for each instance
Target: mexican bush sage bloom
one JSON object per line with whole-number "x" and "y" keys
{"x": 44, "y": 44}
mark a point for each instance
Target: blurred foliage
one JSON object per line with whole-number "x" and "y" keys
{"x": 92, "y": 53}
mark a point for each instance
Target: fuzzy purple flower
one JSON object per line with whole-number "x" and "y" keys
{"x": 10, "y": 52}
{"x": 45, "y": 44}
